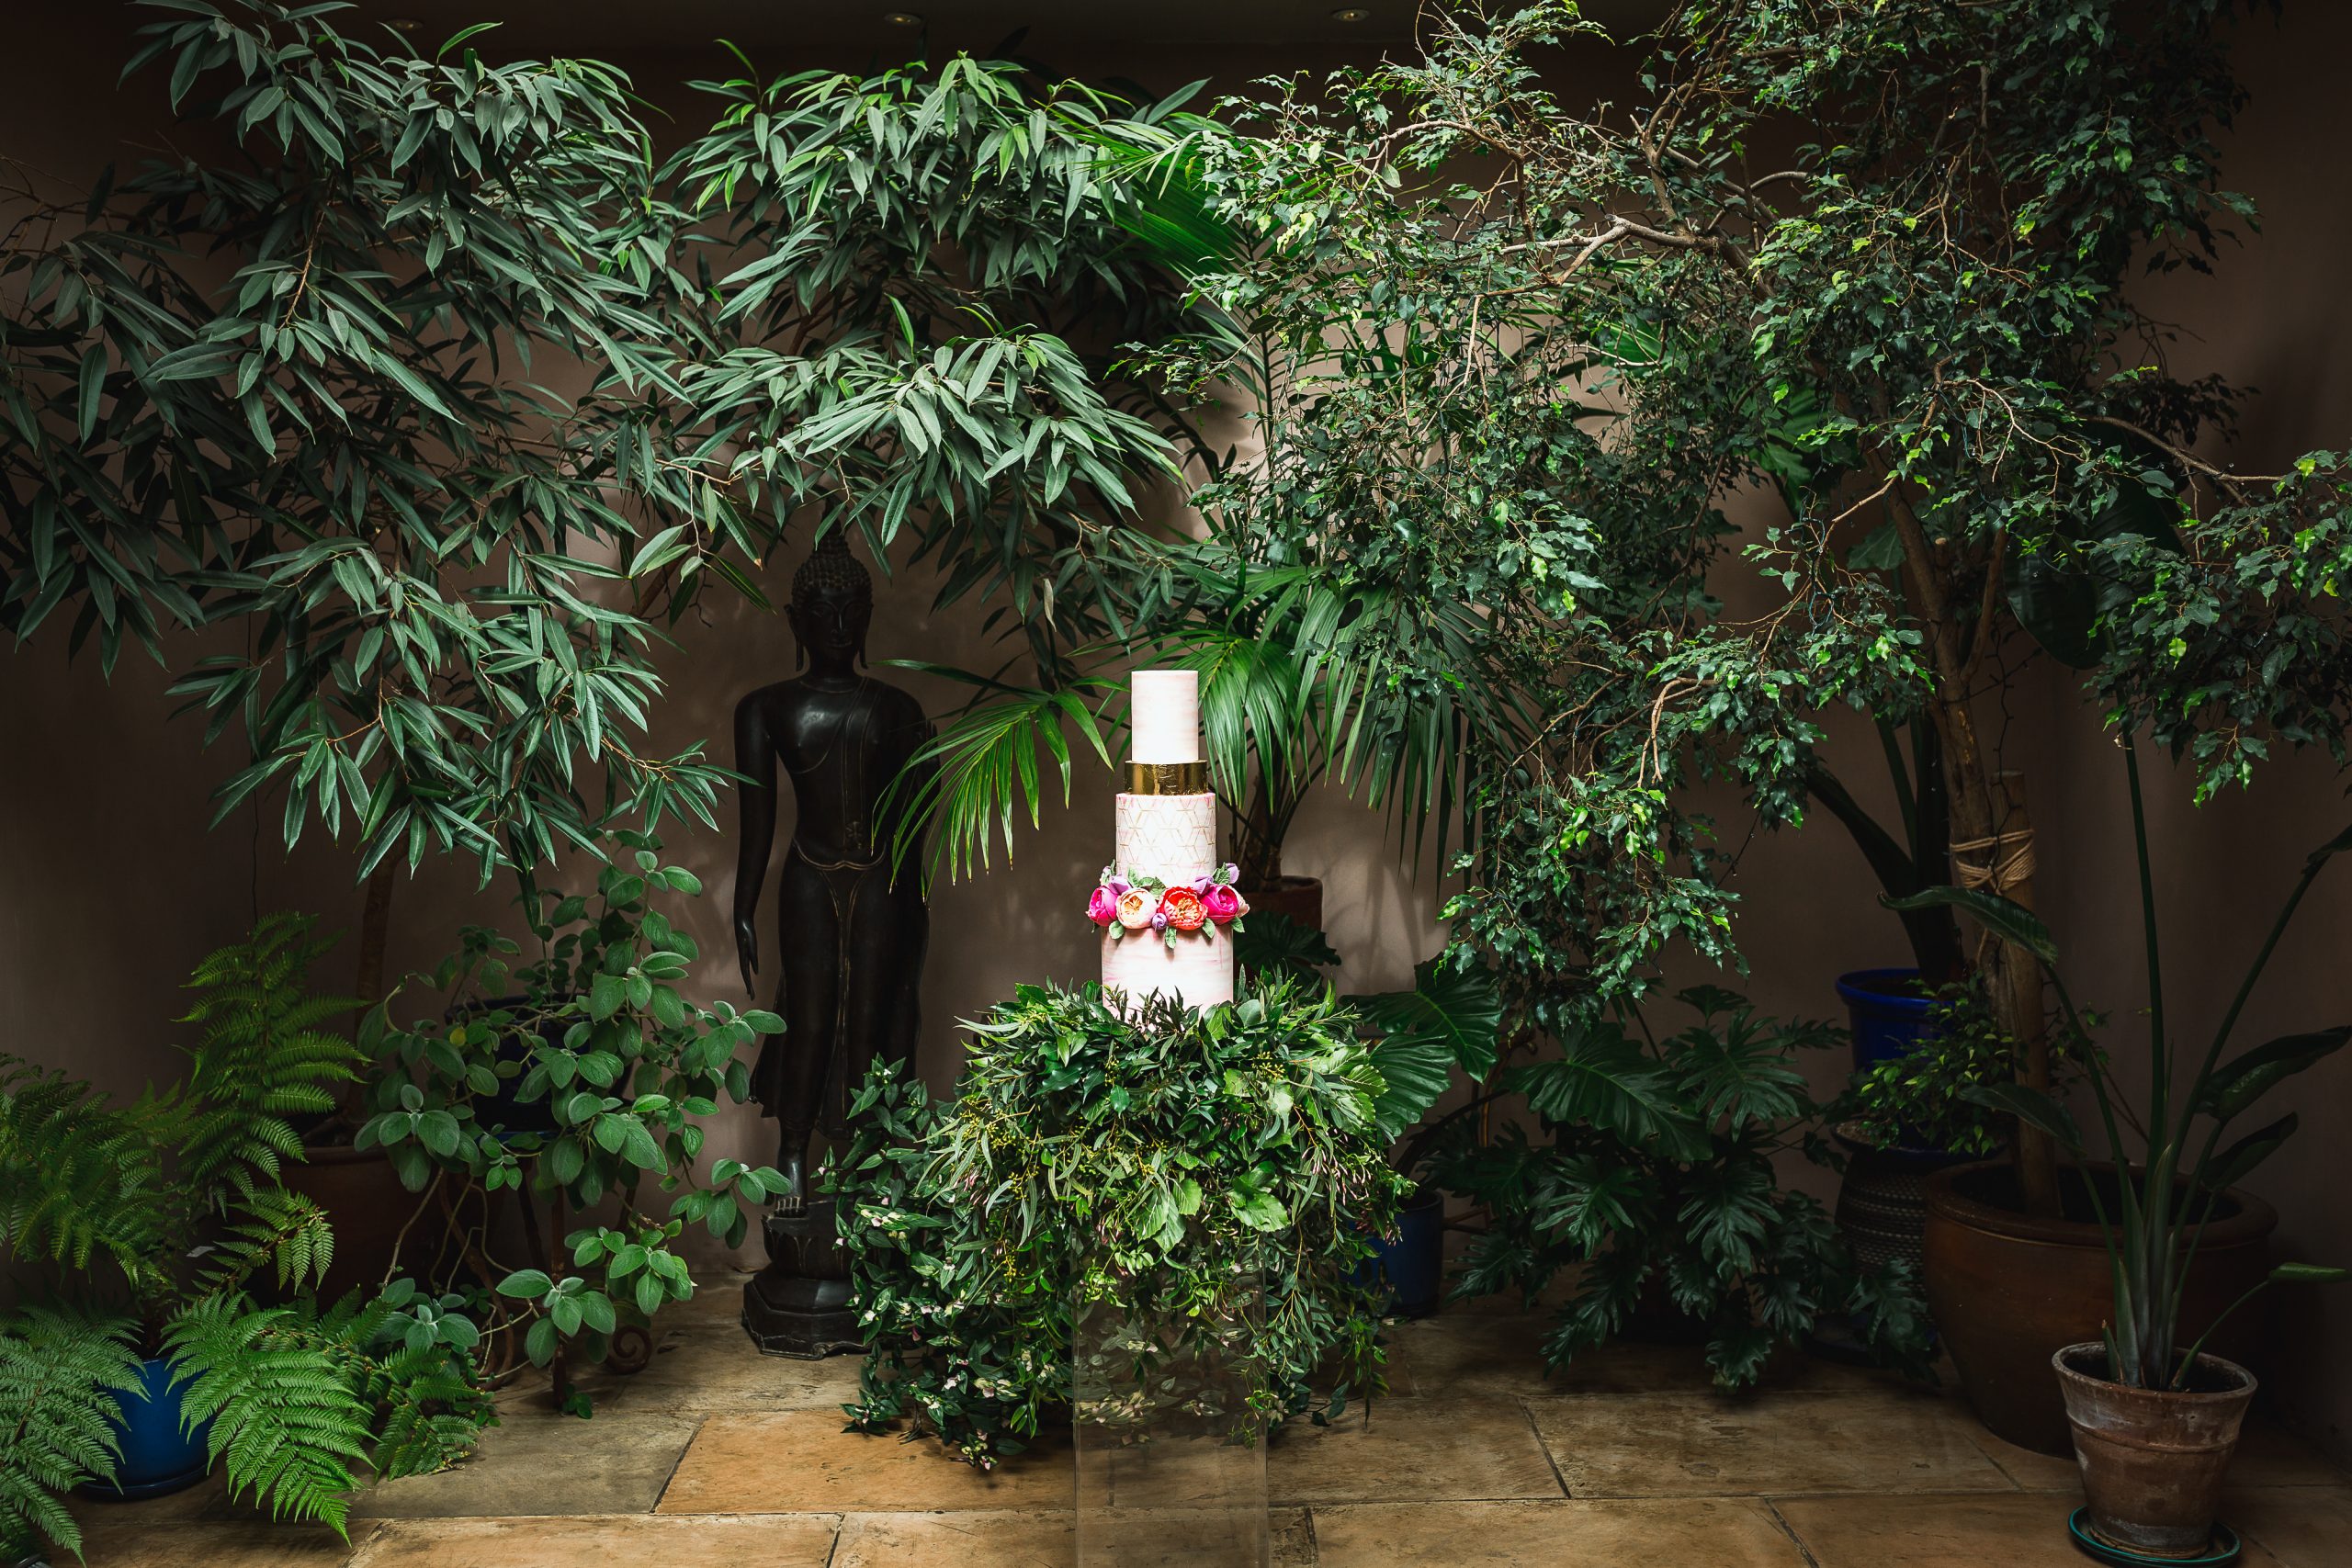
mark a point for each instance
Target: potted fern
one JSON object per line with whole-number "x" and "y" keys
{"x": 2154, "y": 1418}
{"x": 190, "y": 1330}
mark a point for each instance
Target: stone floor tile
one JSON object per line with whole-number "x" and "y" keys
{"x": 1697, "y": 1445}
{"x": 705, "y": 1364}
{"x": 538, "y": 1461}
{"x": 255, "y": 1541}
{"x": 1457, "y": 1352}
{"x": 1012, "y": 1539}
{"x": 775, "y": 1540}
{"x": 2011, "y": 1531}
{"x": 1704, "y": 1533}
{"x": 1411, "y": 1449}
{"x": 801, "y": 1459}
{"x": 2303, "y": 1527}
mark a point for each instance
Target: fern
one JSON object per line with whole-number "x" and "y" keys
{"x": 285, "y": 1416}
{"x": 80, "y": 1178}
{"x": 58, "y": 1369}
{"x": 264, "y": 1057}
{"x": 282, "y": 1235}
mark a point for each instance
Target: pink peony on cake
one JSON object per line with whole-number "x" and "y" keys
{"x": 1166, "y": 904}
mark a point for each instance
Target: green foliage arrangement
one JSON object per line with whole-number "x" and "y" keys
{"x": 307, "y": 388}
{"x": 1924, "y": 1098}
{"x": 1169, "y": 1167}
{"x": 577, "y": 1076}
{"x": 1654, "y": 1177}
{"x": 2171, "y": 1176}
{"x": 169, "y": 1215}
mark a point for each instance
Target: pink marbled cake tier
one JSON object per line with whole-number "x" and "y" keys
{"x": 1173, "y": 838}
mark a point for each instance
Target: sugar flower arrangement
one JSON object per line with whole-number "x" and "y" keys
{"x": 1123, "y": 903}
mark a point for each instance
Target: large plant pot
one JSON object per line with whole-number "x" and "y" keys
{"x": 369, "y": 1210}
{"x": 1412, "y": 1261}
{"x": 157, "y": 1455}
{"x": 2008, "y": 1291}
{"x": 2153, "y": 1462}
{"x": 1300, "y": 898}
{"x": 1882, "y": 1200}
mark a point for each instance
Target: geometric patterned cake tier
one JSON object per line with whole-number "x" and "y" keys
{"x": 1171, "y": 837}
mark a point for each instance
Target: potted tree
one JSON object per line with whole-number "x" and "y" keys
{"x": 2154, "y": 1418}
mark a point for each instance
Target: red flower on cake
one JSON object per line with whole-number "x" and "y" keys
{"x": 1183, "y": 908}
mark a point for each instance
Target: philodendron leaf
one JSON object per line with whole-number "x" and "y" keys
{"x": 2012, "y": 922}
{"x": 2239, "y": 1083}
{"x": 2236, "y": 1162}
{"x": 2030, "y": 1106}
{"x": 2308, "y": 1274}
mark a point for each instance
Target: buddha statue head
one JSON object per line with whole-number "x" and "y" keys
{"x": 832, "y": 601}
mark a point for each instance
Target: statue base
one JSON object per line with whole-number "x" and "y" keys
{"x": 799, "y": 1305}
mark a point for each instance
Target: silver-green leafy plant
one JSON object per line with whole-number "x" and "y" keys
{"x": 2160, "y": 1206}
{"x": 1217, "y": 1175}
{"x": 573, "y": 1078}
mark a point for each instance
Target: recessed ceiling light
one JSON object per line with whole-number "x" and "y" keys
{"x": 902, "y": 19}
{"x": 1353, "y": 14}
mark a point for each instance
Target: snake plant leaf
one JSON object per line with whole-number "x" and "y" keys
{"x": 2011, "y": 921}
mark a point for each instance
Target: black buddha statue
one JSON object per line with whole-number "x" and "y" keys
{"x": 852, "y": 925}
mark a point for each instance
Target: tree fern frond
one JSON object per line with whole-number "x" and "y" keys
{"x": 285, "y": 1416}
{"x": 78, "y": 1177}
{"x": 58, "y": 1370}
{"x": 284, "y": 1235}
{"x": 262, "y": 1059}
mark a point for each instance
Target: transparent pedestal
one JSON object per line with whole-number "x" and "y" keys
{"x": 1172, "y": 1456}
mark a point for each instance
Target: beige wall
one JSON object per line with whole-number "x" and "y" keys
{"x": 112, "y": 885}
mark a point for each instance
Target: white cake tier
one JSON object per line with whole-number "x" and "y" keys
{"x": 1198, "y": 970}
{"x": 1173, "y": 838}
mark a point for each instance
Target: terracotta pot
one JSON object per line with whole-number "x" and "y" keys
{"x": 2153, "y": 1461}
{"x": 1300, "y": 898}
{"x": 2008, "y": 1291}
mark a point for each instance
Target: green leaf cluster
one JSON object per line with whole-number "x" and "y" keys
{"x": 1217, "y": 1175}
{"x": 1653, "y": 1178}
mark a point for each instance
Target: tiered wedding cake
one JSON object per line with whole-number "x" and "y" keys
{"x": 1167, "y": 904}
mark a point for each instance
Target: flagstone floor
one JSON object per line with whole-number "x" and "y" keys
{"x": 715, "y": 1454}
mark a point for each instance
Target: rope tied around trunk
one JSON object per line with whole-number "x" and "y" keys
{"x": 2006, "y": 860}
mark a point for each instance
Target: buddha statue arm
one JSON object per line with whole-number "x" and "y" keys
{"x": 755, "y": 759}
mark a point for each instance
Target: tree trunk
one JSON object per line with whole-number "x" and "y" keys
{"x": 1992, "y": 841}
{"x": 375, "y": 927}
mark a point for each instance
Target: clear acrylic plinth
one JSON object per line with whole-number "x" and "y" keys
{"x": 1171, "y": 1455}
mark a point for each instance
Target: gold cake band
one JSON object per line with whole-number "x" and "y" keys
{"x": 1168, "y": 778}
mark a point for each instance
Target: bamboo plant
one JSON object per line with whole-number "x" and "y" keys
{"x": 2156, "y": 1222}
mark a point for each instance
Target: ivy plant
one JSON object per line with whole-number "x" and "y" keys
{"x": 1216, "y": 1174}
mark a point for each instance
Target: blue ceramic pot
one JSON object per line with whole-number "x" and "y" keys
{"x": 1887, "y": 1011}
{"x": 1412, "y": 1261}
{"x": 157, "y": 1455}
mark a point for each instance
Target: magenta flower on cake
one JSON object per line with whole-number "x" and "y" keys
{"x": 1224, "y": 903}
{"x": 1102, "y": 907}
{"x": 1135, "y": 907}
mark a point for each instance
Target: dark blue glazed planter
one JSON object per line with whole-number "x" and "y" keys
{"x": 157, "y": 1455}
{"x": 1887, "y": 1011}
{"x": 1412, "y": 1261}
